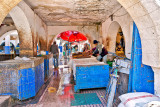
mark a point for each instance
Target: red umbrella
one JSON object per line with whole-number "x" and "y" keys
{"x": 72, "y": 36}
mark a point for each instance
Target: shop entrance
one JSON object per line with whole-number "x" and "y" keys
{"x": 120, "y": 44}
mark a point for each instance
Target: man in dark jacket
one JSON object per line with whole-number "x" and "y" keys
{"x": 95, "y": 50}
{"x": 55, "y": 51}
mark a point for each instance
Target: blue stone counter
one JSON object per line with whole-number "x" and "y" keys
{"x": 48, "y": 65}
{"x": 89, "y": 73}
{"x": 91, "y": 76}
{"x": 21, "y": 79}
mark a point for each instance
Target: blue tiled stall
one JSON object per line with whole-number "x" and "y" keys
{"x": 48, "y": 65}
{"x": 21, "y": 79}
{"x": 94, "y": 75}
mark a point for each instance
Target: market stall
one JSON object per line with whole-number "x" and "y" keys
{"x": 89, "y": 73}
{"x": 48, "y": 65}
{"x": 72, "y": 38}
{"x": 21, "y": 79}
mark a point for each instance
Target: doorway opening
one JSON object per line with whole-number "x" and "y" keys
{"x": 120, "y": 44}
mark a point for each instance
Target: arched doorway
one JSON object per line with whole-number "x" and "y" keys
{"x": 138, "y": 18}
{"x": 120, "y": 43}
{"x": 11, "y": 45}
{"x": 75, "y": 45}
{"x": 115, "y": 42}
{"x": 146, "y": 22}
{"x": 24, "y": 31}
{"x": 23, "y": 28}
{"x": 8, "y": 42}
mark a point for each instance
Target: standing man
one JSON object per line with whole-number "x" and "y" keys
{"x": 55, "y": 51}
{"x": 66, "y": 48}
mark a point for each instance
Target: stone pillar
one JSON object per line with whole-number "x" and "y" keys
{"x": 156, "y": 81}
{"x": 24, "y": 31}
{"x": 35, "y": 36}
{"x": 7, "y": 44}
{"x": 26, "y": 45}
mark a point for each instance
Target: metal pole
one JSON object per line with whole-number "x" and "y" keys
{"x": 112, "y": 92}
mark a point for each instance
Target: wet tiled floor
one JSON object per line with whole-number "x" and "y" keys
{"x": 53, "y": 100}
{"x": 64, "y": 93}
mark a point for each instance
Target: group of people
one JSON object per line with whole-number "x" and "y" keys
{"x": 98, "y": 51}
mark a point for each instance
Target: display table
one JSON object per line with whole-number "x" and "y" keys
{"x": 89, "y": 73}
{"x": 21, "y": 79}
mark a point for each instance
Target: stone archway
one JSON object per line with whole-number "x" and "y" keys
{"x": 6, "y": 6}
{"x": 110, "y": 41}
{"x": 144, "y": 18}
{"x": 5, "y": 34}
{"x": 24, "y": 31}
{"x": 53, "y": 37}
{"x": 89, "y": 31}
{"x": 5, "y": 29}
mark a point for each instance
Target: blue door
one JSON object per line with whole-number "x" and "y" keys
{"x": 141, "y": 78}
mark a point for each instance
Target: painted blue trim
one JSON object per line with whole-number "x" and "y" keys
{"x": 61, "y": 48}
{"x": 47, "y": 52}
{"x": 141, "y": 78}
{"x": 7, "y": 49}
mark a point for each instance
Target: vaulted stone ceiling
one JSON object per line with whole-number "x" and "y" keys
{"x": 73, "y": 12}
